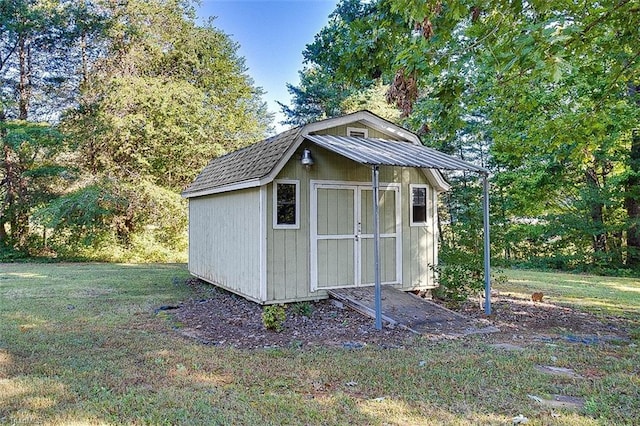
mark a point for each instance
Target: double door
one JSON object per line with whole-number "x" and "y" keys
{"x": 342, "y": 231}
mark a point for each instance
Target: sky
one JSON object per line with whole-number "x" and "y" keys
{"x": 272, "y": 35}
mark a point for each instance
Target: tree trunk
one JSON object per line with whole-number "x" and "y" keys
{"x": 24, "y": 86}
{"x": 632, "y": 202}
{"x": 13, "y": 211}
{"x": 596, "y": 212}
{"x": 3, "y": 133}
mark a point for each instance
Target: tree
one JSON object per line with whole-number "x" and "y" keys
{"x": 316, "y": 98}
{"x": 32, "y": 71}
{"x": 348, "y": 59}
{"x": 544, "y": 84}
{"x": 107, "y": 110}
{"x": 168, "y": 97}
{"x": 164, "y": 97}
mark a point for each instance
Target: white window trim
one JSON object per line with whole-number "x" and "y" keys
{"x": 357, "y": 130}
{"x": 295, "y": 225}
{"x": 427, "y": 201}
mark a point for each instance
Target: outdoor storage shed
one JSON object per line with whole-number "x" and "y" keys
{"x": 290, "y": 217}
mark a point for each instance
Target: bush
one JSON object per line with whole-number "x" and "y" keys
{"x": 459, "y": 275}
{"x": 302, "y": 308}
{"x": 273, "y": 317}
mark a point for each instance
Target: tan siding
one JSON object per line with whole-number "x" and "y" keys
{"x": 418, "y": 248}
{"x": 288, "y": 250}
{"x": 342, "y": 131}
{"x": 224, "y": 240}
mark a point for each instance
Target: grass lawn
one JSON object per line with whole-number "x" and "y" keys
{"x": 81, "y": 344}
{"x": 600, "y": 295}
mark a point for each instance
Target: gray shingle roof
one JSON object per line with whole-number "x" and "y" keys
{"x": 248, "y": 167}
{"x": 253, "y": 162}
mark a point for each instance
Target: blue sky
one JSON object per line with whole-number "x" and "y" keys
{"x": 272, "y": 35}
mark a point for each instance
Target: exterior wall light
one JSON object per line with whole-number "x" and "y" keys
{"x": 306, "y": 159}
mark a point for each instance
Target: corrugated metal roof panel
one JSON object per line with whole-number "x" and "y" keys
{"x": 383, "y": 152}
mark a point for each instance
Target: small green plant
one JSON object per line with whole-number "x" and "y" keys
{"x": 273, "y": 317}
{"x": 458, "y": 275}
{"x": 302, "y": 308}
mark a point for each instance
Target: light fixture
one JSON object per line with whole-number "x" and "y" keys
{"x": 306, "y": 159}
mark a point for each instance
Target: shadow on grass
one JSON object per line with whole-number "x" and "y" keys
{"x": 83, "y": 346}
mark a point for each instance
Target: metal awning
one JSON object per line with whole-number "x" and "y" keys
{"x": 381, "y": 152}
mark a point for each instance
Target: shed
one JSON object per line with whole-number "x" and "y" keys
{"x": 290, "y": 217}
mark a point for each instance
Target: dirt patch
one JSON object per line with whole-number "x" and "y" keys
{"x": 523, "y": 319}
{"x": 217, "y": 317}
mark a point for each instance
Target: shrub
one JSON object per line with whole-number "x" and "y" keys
{"x": 302, "y": 308}
{"x": 459, "y": 275}
{"x": 273, "y": 317}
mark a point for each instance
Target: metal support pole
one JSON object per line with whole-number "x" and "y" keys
{"x": 487, "y": 245}
{"x": 376, "y": 245}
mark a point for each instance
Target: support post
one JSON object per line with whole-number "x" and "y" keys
{"x": 487, "y": 245}
{"x": 376, "y": 245}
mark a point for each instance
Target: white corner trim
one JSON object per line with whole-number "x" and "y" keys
{"x": 436, "y": 180}
{"x": 263, "y": 244}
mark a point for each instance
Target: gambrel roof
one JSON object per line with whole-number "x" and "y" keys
{"x": 258, "y": 164}
{"x": 246, "y": 164}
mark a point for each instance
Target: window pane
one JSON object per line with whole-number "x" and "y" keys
{"x": 286, "y": 208}
{"x": 419, "y": 205}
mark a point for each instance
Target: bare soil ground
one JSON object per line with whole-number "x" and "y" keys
{"x": 218, "y": 317}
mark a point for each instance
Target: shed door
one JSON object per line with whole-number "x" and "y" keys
{"x": 342, "y": 235}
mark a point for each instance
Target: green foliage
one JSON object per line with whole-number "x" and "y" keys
{"x": 10, "y": 254}
{"x": 30, "y": 176}
{"x": 316, "y": 98}
{"x": 170, "y": 97}
{"x": 544, "y": 94}
{"x": 459, "y": 275}
{"x": 371, "y": 99}
{"x": 273, "y": 317}
{"x": 117, "y": 221}
{"x": 302, "y": 308}
{"x": 142, "y": 98}
{"x": 84, "y": 212}
{"x": 347, "y": 64}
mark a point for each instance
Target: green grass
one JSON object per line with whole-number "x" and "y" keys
{"x": 596, "y": 294}
{"x": 80, "y": 344}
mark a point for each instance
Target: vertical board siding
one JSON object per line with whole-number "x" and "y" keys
{"x": 288, "y": 269}
{"x": 335, "y": 263}
{"x": 288, "y": 249}
{"x": 419, "y": 247}
{"x": 342, "y": 131}
{"x": 387, "y": 260}
{"x": 224, "y": 240}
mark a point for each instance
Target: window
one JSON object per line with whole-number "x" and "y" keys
{"x": 286, "y": 213}
{"x": 419, "y": 203}
{"x": 357, "y": 132}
